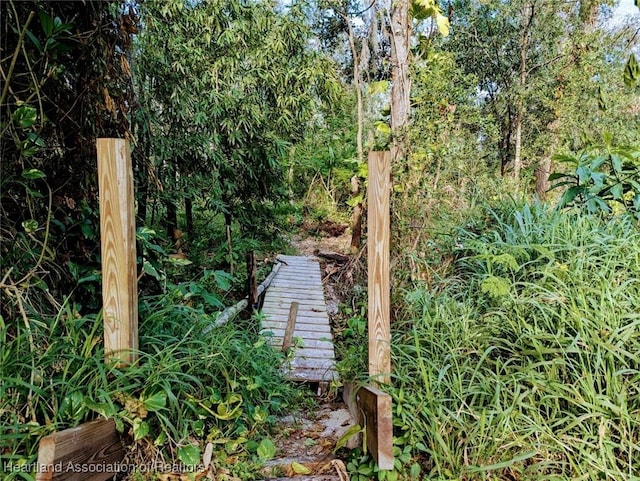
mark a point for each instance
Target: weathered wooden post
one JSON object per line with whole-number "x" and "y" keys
{"x": 93, "y": 451}
{"x": 118, "y": 247}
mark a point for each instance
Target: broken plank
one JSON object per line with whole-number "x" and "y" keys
{"x": 278, "y": 332}
{"x": 297, "y": 296}
{"x": 301, "y": 275}
{"x": 306, "y": 306}
{"x": 311, "y": 363}
{"x": 317, "y": 303}
{"x": 317, "y": 330}
{"x": 308, "y": 343}
{"x": 271, "y": 309}
{"x": 312, "y": 375}
{"x": 291, "y": 324}
{"x": 299, "y": 259}
{"x": 305, "y": 302}
{"x": 297, "y": 291}
{"x": 305, "y": 281}
{"x": 301, "y": 272}
{"x": 313, "y": 353}
{"x": 90, "y": 452}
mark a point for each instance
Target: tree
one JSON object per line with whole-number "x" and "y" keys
{"x": 530, "y": 57}
{"x": 254, "y": 83}
{"x": 65, "y": 81}
{"x": 406, "y": 16}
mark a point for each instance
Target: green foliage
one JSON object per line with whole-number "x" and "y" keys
{"x": 538, "y": 382}
{"x": 254, "y": 85}
{"x": 603, "y": 180}
{"x": 352, "y": 336}
{"x": 59, "y": 61}
{"x": 555, "y": 64}
{"x": 631, "y": 72}
{"x": 223, "y": 387}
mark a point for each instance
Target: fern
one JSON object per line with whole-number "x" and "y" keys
{"x": 496, "y": 286}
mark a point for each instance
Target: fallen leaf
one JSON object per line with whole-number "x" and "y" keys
{"x": 300, "y": 468}
{"x": 208, "y": 453}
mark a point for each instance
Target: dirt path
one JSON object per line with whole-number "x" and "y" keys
{"x": 308, "y": 245}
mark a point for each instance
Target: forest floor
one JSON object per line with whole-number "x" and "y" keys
{"x": 308, "y": 244}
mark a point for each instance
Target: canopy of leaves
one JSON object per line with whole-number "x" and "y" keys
{"x": 228, "y": 86}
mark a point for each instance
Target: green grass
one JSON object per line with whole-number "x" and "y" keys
{"x": 186, "y": 389}
{"x": 525, "y": 365}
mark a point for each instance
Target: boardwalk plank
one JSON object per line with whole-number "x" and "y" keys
{"x": 300, "y": 280}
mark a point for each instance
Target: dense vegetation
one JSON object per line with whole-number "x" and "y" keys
{"x": 516, "y": 200}
{"x": 523, "y": 365}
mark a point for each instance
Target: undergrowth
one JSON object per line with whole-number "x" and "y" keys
{"x": 524, "y": 366}
{"x": 187, "y": 388}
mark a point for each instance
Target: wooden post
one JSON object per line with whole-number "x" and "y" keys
{"x": 118, "y": 245}
{"x": 378, "y": 419}
{"x": 379, "y": 309}
{"x": 252, "y": 283}
{"x": 375, "y": 404}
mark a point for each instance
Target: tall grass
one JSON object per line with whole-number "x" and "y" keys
{"x": 527, "y": 367}
{"x": 186, "y": 388}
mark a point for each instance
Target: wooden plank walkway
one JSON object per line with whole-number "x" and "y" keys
{"x": 299, "y": 280}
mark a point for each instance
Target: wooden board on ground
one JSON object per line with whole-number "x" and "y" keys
{"x": 307, "y": 374}
{"x": 308, "y": 343}
{"x": 312, "y": 311}
{"x": 299, "y": 280}
{"x": 311, "y": 325}
{"x": 90, "y": 452}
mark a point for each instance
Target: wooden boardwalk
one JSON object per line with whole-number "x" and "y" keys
{"x": 299, "y": 280}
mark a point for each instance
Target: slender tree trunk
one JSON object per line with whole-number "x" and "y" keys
{"x": 188, "y": 214}
{"x": 357, "y": 82}
{"x": 356, "y": 217}
{"x": 526, "y": 19}
{"x": 227, "y": 222}
{"x": 172, "y": 218}
{"x": 170, "y": 206}
{"x": 400, "y": 80}
{"x": 142, "y": 183}
{"x": 543, "y": 170}
{"x": 517, "y": 156}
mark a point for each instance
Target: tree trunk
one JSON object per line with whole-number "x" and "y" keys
{"x": 543, "y": 170}
{"x": 188, "y": 214}
{"x": 356, "y": 217}
{"x": 517, "y": 156}
{"x": 172, "y": 218}
{"x": 227, "y": 223}
{"x": 142, "y": 186}
{"x": 356, "y": 227}
{"x": 526, "y": 19}
{"x": 401, "y": 82}
{"x": 357, "y": 82}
